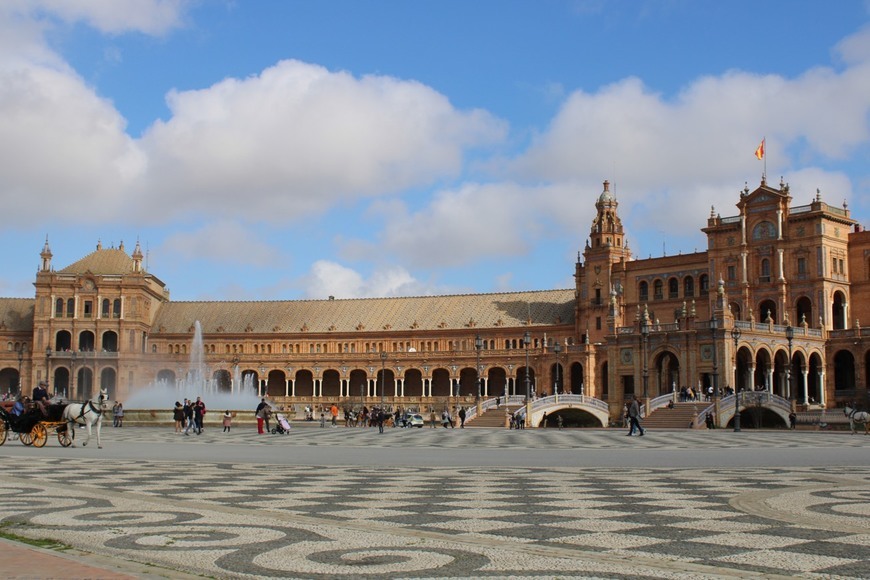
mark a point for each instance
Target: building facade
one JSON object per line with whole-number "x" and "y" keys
{"x": 774, "y": 303}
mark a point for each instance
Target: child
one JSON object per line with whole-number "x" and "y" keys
{"x": 228, "y": 421}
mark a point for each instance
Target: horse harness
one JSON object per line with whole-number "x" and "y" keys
{"x": 88, "y": 405}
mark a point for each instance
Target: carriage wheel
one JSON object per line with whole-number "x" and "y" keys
{"x": 2, "y": 432}
{"x": 26, "y": 438}
{"x": 39, "y": 435}
{"x": 63, "y": 436}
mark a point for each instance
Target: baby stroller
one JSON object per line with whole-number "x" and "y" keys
{"x": 282, "y": 426}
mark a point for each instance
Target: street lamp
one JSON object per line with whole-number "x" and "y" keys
{"x": 557, "y": 349}
{"x": 478, "y": 344}
{"x": 527, "y": 340}
{"x": 383, "y": 372}
{"x": 48, "y": 366}
{"x": 789, "y": 336}
{"x": 735, "y": 335}
{"x": 72, "y": 391}
{"x": 714, "y": 325}
{"x": 644, "y": 335}
{"x": 21, "y": 348}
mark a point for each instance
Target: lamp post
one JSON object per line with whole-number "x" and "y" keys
{"x": 735, "y": 335}
{"x": 478, "y": 344}
{"x": 48, "y": 367}
{"x": 383, "y": 372}
{"x": 20, "y": 361}
{"x": 644, "y": 335}
{"x": 557, "y": 349}
{"x": 714, "y": 326}
{"x": 789, "y": 336}
{"x": 72, "y": 389}
{"x": 527, "y": 340}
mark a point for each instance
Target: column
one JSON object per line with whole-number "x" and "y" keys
{"x": 770, "y": 380}
{"x": 822, "y": 397}
{"x": 743, "y": 257}
{"x": 286, "y": 387}
{"x": 292, "y": 384}
{"x": 804, "y": 383}
{"x": 484, "y": 386}
{"x": 779, "y": 224}
{"x": 781, "y": 265}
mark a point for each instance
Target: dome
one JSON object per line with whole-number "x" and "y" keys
{"x": 606, "y": 195}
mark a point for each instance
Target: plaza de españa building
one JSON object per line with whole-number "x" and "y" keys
{"x": 793, "y": 280}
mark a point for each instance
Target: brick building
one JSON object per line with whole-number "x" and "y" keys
{"x": 774, "y": 303}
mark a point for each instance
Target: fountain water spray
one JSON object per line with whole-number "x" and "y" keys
{"x": 196, "y": 382}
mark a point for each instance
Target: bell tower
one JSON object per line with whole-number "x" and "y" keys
{"x": 601, "y": 274}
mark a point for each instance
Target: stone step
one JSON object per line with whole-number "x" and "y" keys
{"x": 680, "y": 417}
{"x": 492, "y": 417}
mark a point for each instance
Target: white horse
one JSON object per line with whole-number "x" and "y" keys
{"x": 856, "y": 416}
{"x": 87, "y": 414}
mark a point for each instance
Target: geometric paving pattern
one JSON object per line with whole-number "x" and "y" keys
{"x": 241, "y": 520}
{"x": 231, "y": 521}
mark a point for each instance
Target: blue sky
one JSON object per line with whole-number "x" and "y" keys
{"x": 282, "y": 150}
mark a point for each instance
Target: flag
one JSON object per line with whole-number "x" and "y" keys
{"x": 759, "y": 153}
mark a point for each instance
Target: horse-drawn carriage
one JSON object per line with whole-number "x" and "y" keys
{"x": 32, "y": 426}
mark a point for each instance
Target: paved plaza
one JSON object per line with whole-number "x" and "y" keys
{"x": 436, "y": 503}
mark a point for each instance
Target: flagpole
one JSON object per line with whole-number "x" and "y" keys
{"x": 764, "y": 141}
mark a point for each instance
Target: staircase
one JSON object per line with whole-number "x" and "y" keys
{"x": 680, "y": 417}
{"x": 492, "y": 417}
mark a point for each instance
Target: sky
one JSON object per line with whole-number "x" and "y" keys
{"x": 288, "y": 149}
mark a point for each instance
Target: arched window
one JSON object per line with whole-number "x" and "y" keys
{"x": 673, "y": 288}
{"x": 704, "y": 284}
{"x": 116, "y": 308}
{"x": 58, "y": 307}
{"x": 70, "y": 308}
{"x": 688, "y": 287}
{"x": 658, "y": 292}
{"x": 104, "y": 311}
{"x": 643, "y": 291}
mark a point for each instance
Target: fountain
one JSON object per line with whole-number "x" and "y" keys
{"x": 161, "y": 395}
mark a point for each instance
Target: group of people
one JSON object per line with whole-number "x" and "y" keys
{"x": 118, "y": 414}
{"x": 189, "y": 416}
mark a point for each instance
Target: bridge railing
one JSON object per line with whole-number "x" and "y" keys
{"x": 573, "y": 399}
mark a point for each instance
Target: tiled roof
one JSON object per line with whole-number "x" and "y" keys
{"x": 107, "y": 261}
{"x": 16, "y": 314}
{"x": 424, "y": 313}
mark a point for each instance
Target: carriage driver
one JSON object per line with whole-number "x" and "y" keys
{"x": 40, "y": 397}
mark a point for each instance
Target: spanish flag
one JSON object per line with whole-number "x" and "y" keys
{"x": 759, "y": 153}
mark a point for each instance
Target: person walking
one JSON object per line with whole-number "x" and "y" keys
{"x": 198, "y": 415}
{"x": 333, "y": 410}
{"x": 188, "y": 416}
{"x": 260, "y": 414}
{"x": 227, "y": 421}
{"x": 178, "y": 417}
{"x": 634, "y": 416}
{"x": 462, "y": 417}
{"x": 118, "y": 415}
{"x": 433, "y": 418}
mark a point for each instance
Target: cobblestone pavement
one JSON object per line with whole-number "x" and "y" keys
{"x": 238, "y": 519}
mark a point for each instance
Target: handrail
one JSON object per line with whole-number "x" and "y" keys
{"x": 661, "y": 401}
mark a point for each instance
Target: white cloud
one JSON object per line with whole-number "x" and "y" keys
{"x": 225, "y": 242}
{"x": 480, "y": 220}
{"x": 63, "y": 150}
{"x": 297, "y": 138}
{"x": 696, "y": 150}
{"x": 328, "y": 278}
{"x": 153, "y": 17}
